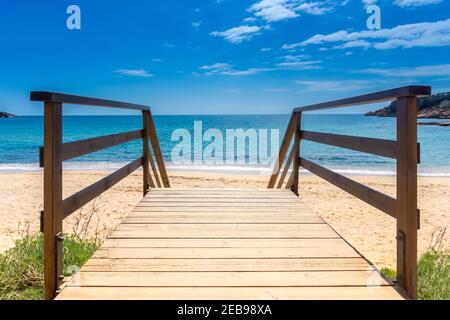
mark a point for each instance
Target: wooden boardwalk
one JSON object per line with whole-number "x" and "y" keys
{"x": 226, "y": 244}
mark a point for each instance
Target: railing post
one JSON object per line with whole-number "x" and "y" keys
{"x": 407, "y": 213}
{"x": 146, "y": 152}
{"x": 296, "y": 151}
{"x": 53, "y": 206}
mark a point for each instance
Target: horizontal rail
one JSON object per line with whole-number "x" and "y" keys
{"x": 380, "y": 147}
{"x": 79, "y": 199}
{"x": 373, "y": 197}
{"x": 369, "y": 98}
{"x": 75, "y": 149}
{"x": 54, "y": 97}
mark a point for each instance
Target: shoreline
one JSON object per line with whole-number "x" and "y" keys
{"x": 367, "y": 229}
{"x": 16, "y": 168}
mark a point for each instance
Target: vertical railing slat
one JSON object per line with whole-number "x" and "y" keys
{"x": 283, "y": 151}
{"x": 157, "y": 152}
{"x": 296, "y": 150}
{"x": 148, "y": 181}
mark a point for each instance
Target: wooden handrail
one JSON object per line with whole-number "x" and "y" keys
{"x": 79, "y": 199}
{"x": 54, "y": 97}
{"x": 55, "y": 152}
{"x": 75, "y": 149}
{"x": 405, "y": 150}
{"x": 373, "y": 197}
{"x": 380, "y": 147}
{"x": 369, "y": 98}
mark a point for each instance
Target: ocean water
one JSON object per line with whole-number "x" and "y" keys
{"x": 21, "y": 137}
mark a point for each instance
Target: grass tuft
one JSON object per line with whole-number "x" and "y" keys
{"x": 22, "y": 267}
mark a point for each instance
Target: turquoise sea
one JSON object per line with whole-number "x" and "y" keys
{"x": 21, "y": 137}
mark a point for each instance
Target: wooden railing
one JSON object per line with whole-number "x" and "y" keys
{"x": 404, "y": 149}
{"x": 54, "y": 152}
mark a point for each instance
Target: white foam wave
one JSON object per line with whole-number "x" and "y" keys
{"x": 246, "y": 170}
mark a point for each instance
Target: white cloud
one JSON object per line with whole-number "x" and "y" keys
{"x": 226, "y": 69}
{"x": 334, "y": 86}
{"x": 420, "y": 71}
{"x": 425, "y": 34}
{"x": 297, "y": 62}
{"x": 299, "y": 65}
{"x": 415, "y": 3}
{"x": 266, "y": 49}
{"x": 278, "y": 10}
{"x": 238, "y": 34}
{"x": 134, "y": 73}
{"x": 273, "y": 10}
{"x": 197, "y": 24}
{"x": 369, "y": 2}
{"x": 216, "y": 66}
{"x": 316, "y": 8}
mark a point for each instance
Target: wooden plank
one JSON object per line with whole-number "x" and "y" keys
{"x": 283, "y": 151}
{"x": 336, "y": 244}
{"x": 233, "y": 265}
{"x": 407, "y": 214}
{"x": 213, "y": 227}
{"x": 222, "y": 209}
{"x": 183, "y": 201}
{"x": 225, "y": 220}
{"x": 380, "y": 147}
{"x": 225, "y": 231}
{"x": 381, "y": 96}
{"x": 228, "y": 204}
{"x": 53, "y": 205}
{"x": 219, "y": 293}
{"x": 230, "y": 279}
{"x": 76, "y": 201}
{"x": 71, "y": 150}
{"x": 157, "y": 152}
{"x": 373, "y": 197}
{"x": 54, "y": 97}
{"x": 217, "y": 197}
{"x": 222, "y": 253}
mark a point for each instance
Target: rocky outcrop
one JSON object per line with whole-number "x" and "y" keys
{"x": 440, "y": 124}
{"x": 6, "y": 115}
{"x": 433, "y": 107}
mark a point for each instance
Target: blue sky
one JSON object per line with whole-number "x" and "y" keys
{"x": 219, "y": 56}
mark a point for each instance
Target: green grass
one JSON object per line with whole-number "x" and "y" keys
{"x": 433, "y": 275}
{"x": 22, "y": 267}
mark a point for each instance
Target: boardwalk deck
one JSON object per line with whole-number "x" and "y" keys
{"x": 226, "y": 244}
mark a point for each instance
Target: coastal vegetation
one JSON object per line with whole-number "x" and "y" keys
{"x": 22, "y": 267}
{"x": 433, "y": 107}
{"x": 433, "y": 271}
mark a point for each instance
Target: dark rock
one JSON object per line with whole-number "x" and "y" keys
{"x": 433, "y": 107}
{"x": 440, "y": 124}
{"x": 6, "y": 115}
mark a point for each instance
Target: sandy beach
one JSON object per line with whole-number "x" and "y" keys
{"x": 367, "y": 229}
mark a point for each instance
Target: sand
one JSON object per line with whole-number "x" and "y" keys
{"x": 367, "y": 229}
